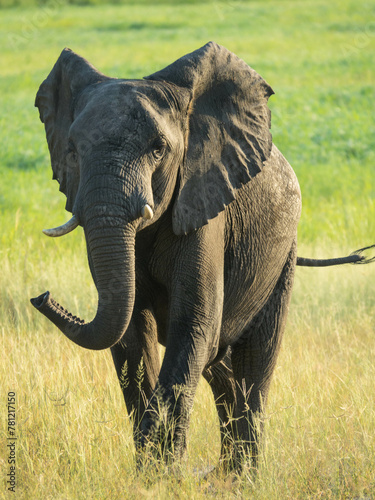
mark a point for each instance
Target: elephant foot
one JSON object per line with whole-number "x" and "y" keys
{"x": 162, "y": 431}
{"x": 160, "y": 441}
{"x": 152, "y": 466}
{"x": 216, "y": 479}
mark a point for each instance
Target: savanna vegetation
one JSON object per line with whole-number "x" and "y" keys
{"x": 74, "y": 437}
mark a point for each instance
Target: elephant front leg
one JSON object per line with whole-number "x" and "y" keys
{"x": 166, "y": 420}
{"x": 137, "y": 364}
{"x": 195, "y": 311}
{"x": 253, "y": 362}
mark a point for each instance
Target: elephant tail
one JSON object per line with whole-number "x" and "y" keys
{"x": 354, "y": 258}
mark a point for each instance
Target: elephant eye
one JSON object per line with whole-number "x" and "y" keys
{"x": 158, "y": 148}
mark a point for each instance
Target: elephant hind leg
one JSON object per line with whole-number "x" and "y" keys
{"x": 253, "y": 361}
{"x": 221, "y": 380}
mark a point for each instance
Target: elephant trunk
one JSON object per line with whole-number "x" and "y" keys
{"x": 111, "y": 253}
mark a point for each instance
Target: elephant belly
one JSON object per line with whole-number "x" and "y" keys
{"x": 261, "y": 226}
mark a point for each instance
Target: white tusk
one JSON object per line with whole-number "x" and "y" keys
{"x": 64, "y": 229}
{"x": 147, "y": 212}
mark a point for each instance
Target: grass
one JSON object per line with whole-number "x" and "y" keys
{"x": 74, "y": 437}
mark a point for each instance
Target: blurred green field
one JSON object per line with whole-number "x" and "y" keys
{"x": 74, "y": 437}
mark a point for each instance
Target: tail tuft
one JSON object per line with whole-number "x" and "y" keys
{"x": 362, "y": 258}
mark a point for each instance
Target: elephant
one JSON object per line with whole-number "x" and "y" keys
{"x": 190, "y": 217}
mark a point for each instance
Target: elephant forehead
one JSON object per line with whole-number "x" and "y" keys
{"x": 121, "y": 107}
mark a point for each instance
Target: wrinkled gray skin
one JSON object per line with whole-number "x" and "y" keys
{"x": 210, "y": 275}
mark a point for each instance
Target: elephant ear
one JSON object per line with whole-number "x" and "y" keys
{"x": 228, "y": 131}
{"x": 56, "y": 101}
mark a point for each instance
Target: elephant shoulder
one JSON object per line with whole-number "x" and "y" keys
{"x": 282, "y": 169}
{"x": 280, "y": 182}
{"x": 272, "y": 200}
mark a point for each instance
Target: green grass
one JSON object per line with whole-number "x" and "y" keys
{"x": 74, "y": 435}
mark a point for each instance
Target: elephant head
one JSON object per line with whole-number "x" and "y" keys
{"x": 124, "y": 151}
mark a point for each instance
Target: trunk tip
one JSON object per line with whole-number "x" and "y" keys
{"x": 39, "y": 302}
